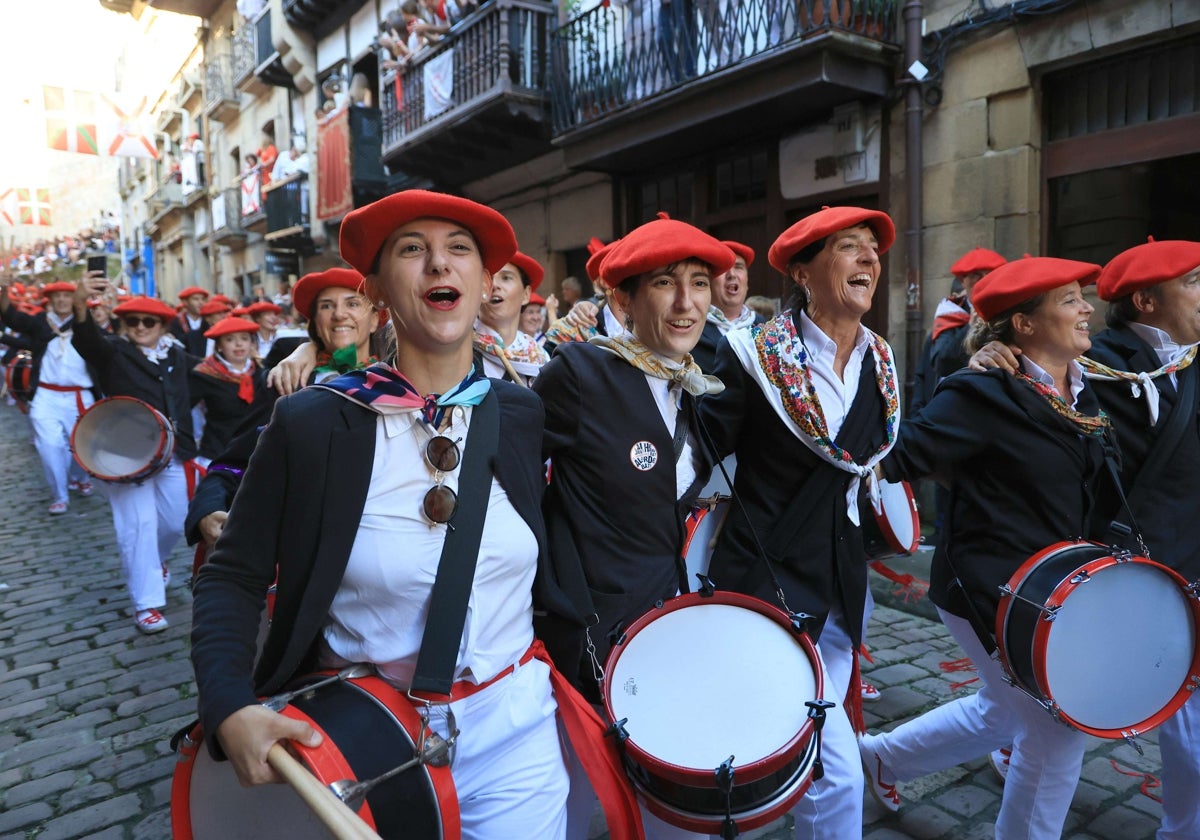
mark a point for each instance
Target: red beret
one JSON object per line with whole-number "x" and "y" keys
{"x": 228, "y": 326}
{"x": 304, "y": 293}
{"x": 598, "y": 251}
{"x": 530, "y": 267}
{"x": 215, "y": 307}
{"x": 143, "y": 305}
{"x": 1018, "y": 281}
{"x": 239, "y": 311}
{"x": 192, "y": 290}
{"x": 977, "y": 259}
{"x": 1147, "y": 265}
{"x": 826, "y": 221}
{"x": 743, "y": 251}
{"x": 223, "y": 299}
{"x": 366, "y": 229}
{"x": 58, "y": 286}
{"x": 662, "y": 241}
{"x": 536, "y": 300}
{"x": 262, "y": 306}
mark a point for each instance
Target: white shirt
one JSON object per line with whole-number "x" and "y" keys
{"x": 836, "y": 394}
{"x": 1162, "y": 343}
{"x": 493, "y": 368}
{"x": 1074, "y": 375}
{"x": 62, "y": 364}
{"x": 667, "y": 398}
{"x": 378, "y": 614}
{"x": 612, "y": 327}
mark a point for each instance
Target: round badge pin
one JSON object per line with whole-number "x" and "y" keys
{"x": 643, "y": 455}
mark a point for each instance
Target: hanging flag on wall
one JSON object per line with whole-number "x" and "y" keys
{"x": 70, "y": 120}
{"x": 33, "y": 206}
{"x": 8, "y": 207}
{"x": 130, "y": 134}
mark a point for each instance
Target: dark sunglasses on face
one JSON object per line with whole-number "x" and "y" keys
{"x": 146, "y": 321}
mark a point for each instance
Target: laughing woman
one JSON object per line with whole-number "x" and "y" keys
{"x": 1021, "y": 456}
{"x": 508, "y": 353}
{"x": 384, "y": 452}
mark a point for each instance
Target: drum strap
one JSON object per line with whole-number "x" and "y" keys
{"x": 1163, "y": 449}
{"x": 456, "y": 569}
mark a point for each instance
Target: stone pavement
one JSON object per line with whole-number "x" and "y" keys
{"x": 87, "y": 704}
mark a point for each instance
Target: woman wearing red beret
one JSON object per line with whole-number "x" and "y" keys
{"x": 1023, "y": 457}
{"x": 507, "y": 352}
{"x": 386, "y": 454}
{"x": 227, "y": 383}
{"x": 148, "y": 363}
{"x": 625, "y": 451}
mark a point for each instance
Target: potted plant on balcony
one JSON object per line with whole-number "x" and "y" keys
{"x": 864, "y": 17}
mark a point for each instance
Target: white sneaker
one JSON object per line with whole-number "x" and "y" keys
{"x": 150, "y": 621}
{"x": 999, "y": 761}
{"x": 880, "y": 782}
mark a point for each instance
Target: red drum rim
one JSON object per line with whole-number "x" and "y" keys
{"x": 166, "y": 440}
{"x": 181, "y": 783}
{"x": 885, "y": 524}
{"x": 704, "y": 777}
{"x": 1042, "y": 635}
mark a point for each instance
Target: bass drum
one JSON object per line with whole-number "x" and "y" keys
{"x": 123, "y": 440}
{"x": 368, "y": 728}
{"x": 706, "y": 679}
{"x": 1106, "y": 641}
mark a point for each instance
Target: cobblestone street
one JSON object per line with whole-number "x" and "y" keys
{"x": 87, "y": 704}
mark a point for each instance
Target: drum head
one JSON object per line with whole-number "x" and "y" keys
{"x": 1121, "y": 646}
{"x": 117, "y": 438}
{"x": 707, "y": 681}
{"x": 899, "y": 514}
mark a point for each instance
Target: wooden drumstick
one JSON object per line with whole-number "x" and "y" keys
{"x": 343, "y": 823}
{"x": 517, "y": 378}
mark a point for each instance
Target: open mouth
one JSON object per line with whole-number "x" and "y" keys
{"x": 862, "y": 281}
{"x": 495, "y": 300}
{"x": 443, "y": 296}
{"x": 682, "y": 323}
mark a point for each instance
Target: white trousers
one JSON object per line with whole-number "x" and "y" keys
{"x": 1179, "y": 744}
{"x": 508, "y": 768}
{"x": 53, "y": 415}
{"x": 1046, "y": 759}
{"x": 833, "y": 807}
{"x": 148, "y": 518}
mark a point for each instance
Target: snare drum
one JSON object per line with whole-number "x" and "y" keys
{"x": 1107, "y": 642}
{"x": 702, "y": 527}
{"x": 122, "y": 439}
{"x": 680, "y": 678}
{"x": 368, "y": 728}
{"x": 893, "y": 529}
{"x": 18, "y": 376}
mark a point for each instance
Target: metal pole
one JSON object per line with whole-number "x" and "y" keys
{"x": 914, "y": 170}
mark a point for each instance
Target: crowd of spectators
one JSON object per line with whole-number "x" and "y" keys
{"x": 59, "y": 252}
{"x": 417, "y": 24}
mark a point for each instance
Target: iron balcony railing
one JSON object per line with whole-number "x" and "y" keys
{"x": 287, "y": 205}
{"x": 243, "y": 52}
{"x": 622, "y": 52}
{"x": 218, "y": 76}
{"x": 227, "y": 213}
{"x": 501, "y": 48}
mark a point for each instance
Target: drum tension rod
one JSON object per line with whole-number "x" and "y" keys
{"x": 617, "y": 730}
{"x": 724, "y": 774}
{"x": 350, "y": 672}
{"x": 1131, "y": 739}
{"x": 816, "y": 713}
{"x": 800, "y": 621}
{"x": 707, "y": 587}
{"x": 1049, "y": 611}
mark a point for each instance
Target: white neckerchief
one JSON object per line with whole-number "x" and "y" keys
{"x": 1165, "y": 347}
{"x": 62, "y": 338}
{"x": 160, "y": 350}
{"x": 745, "y": 318}
{"x": 229, "y": 365}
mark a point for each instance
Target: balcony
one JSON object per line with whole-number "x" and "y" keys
{"x": 349, "y": 161}
{"x": 319, "y": 16}
{"x": 474, "y": 103}
{"x": 222, "y": 101}
{"x": 631, "y": 89}
{"x": 252, "y": 209}
{"x": 227, "y": 219}
{"x": 257, "y": 65}
{"x": 163, "y": 203}
{"x": 288, "y": 213}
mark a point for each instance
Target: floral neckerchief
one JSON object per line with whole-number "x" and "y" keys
{"x": 687, "y": 374}
{"x": 523, "y": 348}
{"x": 1087, "y": 424}
{"x": 384, "y": 390}
{"x": 1139, "y": 383}
{"x": 744, "y": 319}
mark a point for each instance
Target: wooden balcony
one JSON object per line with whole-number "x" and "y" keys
{"x": 474, "y": 103}
{"x": 630, "y": 90}
{"x": 288, "y": 213}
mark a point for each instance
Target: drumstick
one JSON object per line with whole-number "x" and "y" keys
{"x": 343, "y": 823}
{"x": 511, "y": 370}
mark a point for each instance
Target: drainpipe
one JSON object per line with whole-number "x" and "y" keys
{"x": 914, "y": 170}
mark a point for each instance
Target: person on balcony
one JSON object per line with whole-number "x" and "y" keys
{"x": 296, "y": 160}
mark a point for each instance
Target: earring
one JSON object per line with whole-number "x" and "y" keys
{"x": 379, "y": 304}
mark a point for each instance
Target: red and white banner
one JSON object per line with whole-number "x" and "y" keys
{"x": 33, "y": 206}
{"x": 70, "y": 120}
{"x": 334, "y": 194}
{"x": 8, "y": 207}
{"x": 128, "y": 124}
